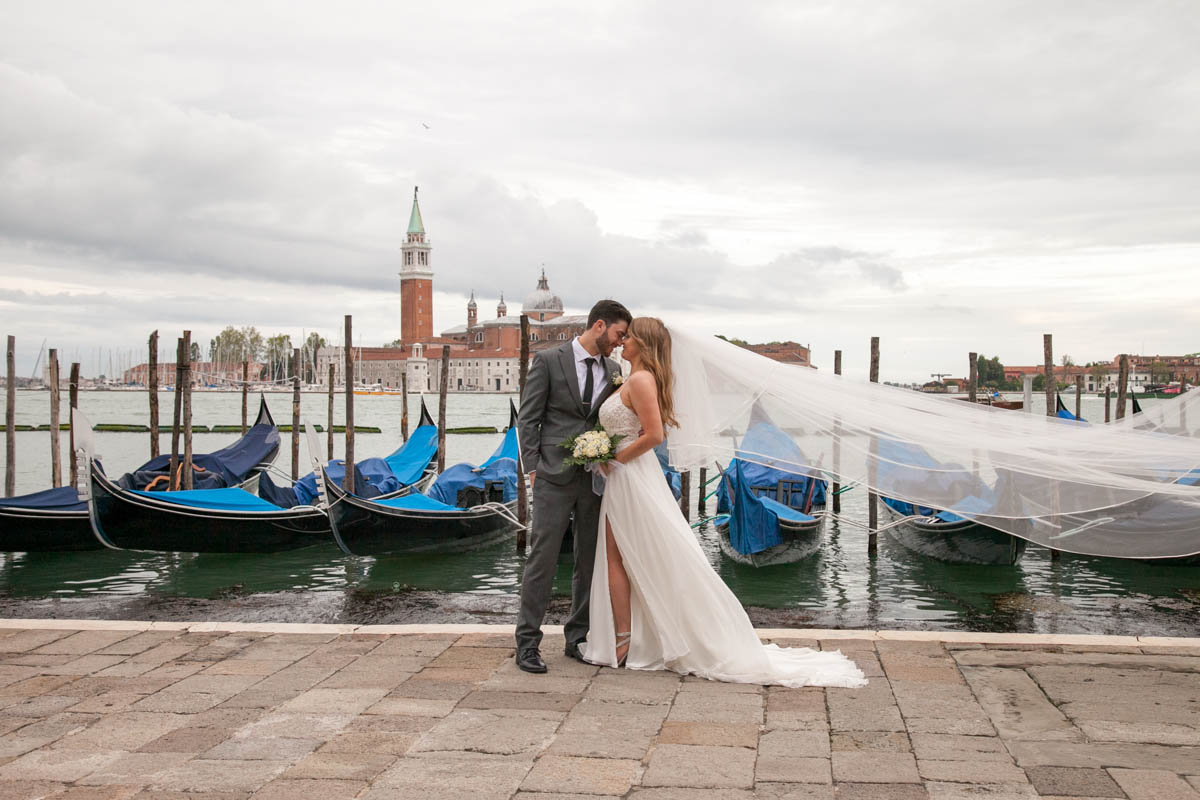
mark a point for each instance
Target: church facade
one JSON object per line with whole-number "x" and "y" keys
{"x": 484, "y": 355}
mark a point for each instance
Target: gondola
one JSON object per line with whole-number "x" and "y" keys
{"x": 410, "y": 468}
{"x": 465, "y": 507}
{"x": 223, "y": 520}
{"x": 56, "y": 520}
{"x": 764, "y": 508}
{"x": 942, "y": 534}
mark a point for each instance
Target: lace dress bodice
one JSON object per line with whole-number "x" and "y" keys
{"x": 619, "y": 420}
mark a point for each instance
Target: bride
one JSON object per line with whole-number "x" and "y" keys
{"x": 656, "y": 603}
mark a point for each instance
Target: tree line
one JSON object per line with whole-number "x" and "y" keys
{"x": 275, "y": 353}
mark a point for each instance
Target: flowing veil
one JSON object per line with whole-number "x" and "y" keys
{"x": 1128, "y": 489}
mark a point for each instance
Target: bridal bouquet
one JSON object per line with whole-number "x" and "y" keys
{"x": 591, "y": 447}
{"x": 589, "y": 450}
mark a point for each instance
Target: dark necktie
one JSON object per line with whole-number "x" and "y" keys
{"x": 587, "y": 383}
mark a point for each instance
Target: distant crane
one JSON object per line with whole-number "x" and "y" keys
{"x": 940, "y": 375}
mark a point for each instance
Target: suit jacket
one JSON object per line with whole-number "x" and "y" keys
{"x": 552, "y": 411}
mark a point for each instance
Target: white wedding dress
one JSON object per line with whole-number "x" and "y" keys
{"x": 684, "y": 616}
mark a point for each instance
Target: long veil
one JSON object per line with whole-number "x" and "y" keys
{"x": 1128, "y": 489}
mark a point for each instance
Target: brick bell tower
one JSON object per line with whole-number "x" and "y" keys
{"x": 416, "y": 282}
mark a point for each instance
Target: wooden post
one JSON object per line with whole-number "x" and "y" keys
{"x": 837, "y": 445}
{"x": 73, "y": 397}
{"x": 295, "y": 414}
{"x": 55, "y": 400}
{"x": 177, "y": 419}
{"x": 348, "y": 481}
{"x": 685, "y": 494}
{"x": 1079, "y": 396}
{"x": 187, "y": 410}
{"x": 10, "y": 422}
{"x": 522, "y": 489}
{"x": 1108, "y": 403}
{"x": 872, "y": 497}
{"x": 152, "y": 389}
{"x": 404, "y": 404}
{"x": 1122, "y": 385}
{"x": 973, "y": 380}
{"x": 245, "y": 395}
{"x": 329, "y": 422}
{"x": 701, "y": 507}
{"x": 1048, "y": 372}
{"x": 443, "y": 388}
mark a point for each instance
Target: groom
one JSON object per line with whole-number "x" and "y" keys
{"x": 563, "y": 393}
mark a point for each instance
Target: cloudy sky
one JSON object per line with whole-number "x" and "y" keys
{"x": 948, "y": 176}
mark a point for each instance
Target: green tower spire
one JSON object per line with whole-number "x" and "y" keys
{"x": 415, "y": 224}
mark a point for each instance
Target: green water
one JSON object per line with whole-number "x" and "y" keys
{"x": 842, "y": 586}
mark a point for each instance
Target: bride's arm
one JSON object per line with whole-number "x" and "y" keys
{"x": 643, "y": 396}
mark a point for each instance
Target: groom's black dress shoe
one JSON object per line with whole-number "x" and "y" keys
{"x": 573, "y": 652}
{"x": 530, "y": 660}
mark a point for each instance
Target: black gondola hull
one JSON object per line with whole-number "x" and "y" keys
{"x": 964, "y": 542}
{"x": 128, "y": 521}
{"x": 363, "y": 528}
{"x": 800, "y": 540}
{"x": 28, "y": 531}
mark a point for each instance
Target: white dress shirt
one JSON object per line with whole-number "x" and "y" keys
{"x": 598, "y": 371}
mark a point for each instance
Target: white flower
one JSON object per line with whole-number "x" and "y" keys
{"x": 618, "y": 379}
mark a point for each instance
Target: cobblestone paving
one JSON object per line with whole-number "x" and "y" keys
{"x": 217, "y": 715}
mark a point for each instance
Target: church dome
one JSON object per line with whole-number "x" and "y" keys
{"x": 542, "y": 299}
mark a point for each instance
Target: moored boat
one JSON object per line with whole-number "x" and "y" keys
{"x": 467, "y": 506}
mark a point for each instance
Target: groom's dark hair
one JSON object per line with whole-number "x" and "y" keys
{"x": 610, "y": 311}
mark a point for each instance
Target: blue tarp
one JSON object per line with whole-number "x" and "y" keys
{"x": 64, "y": 498}
{"x": 377, "y": 476}
{"x": 753, "y": 526}
{"x": 1063, "y": 413}
{"x": 226, "y": 467}
{"x": 674, "y": 479}
{"x": 774, "y": 455}
{"x": 416, "y": 502}
{"x": 230, "y": 499}
{"x": 501, "y": 467}
{"x": 897, "y": 460}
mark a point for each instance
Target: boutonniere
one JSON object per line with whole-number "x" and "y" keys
{"x": 618, "y": 379}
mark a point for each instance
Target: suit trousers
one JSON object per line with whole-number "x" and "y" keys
{"x": 552, "y": 507}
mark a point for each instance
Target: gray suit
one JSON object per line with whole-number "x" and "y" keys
{"x": 552, "y": 411}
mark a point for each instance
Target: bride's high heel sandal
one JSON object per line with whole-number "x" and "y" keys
{"x": 623, "y": 641}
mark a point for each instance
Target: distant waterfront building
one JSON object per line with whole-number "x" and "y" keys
{"x": 783, "y": 352}
{"x": 203, "y": 373}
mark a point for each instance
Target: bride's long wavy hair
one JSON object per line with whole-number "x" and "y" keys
{"x": 654, "y": 341}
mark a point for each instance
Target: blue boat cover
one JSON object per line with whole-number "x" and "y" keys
{"x": 229, "y": 499}
{"x": 501, "y": 466}
{"x": 760, "y": 443}
{"x": 409, "y": 462}
{"x": 896, "y": 460}
{"x": 1063, "y": 413}
{"x": 416, "y": 502}
{"x": 674, "y": 479}
{"x": 65, "y": 498}
{"x": 753, "y": 525}
{"x": 228, "y": 466}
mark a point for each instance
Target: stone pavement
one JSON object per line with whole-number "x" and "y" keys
{"x": 219, "y": 710}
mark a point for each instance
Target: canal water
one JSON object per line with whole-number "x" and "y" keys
{"x": 842, "y": 586}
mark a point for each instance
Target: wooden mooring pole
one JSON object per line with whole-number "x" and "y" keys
{"x": 685, "y": 494}
{"x": 348, "y": 481}
{"x": 1079, "y": 396}
{"x": 404, "y": 404}
{"x": 55, "y": 427}
{"x": 10, "y": 422}
{"x": 1122, "y": 385}
{"x": 973, "y": 377}
{"x": 176, "y": 419}
{"x": 1108, "y": 403}
{"x": 443, "y": 388}
{"x": 522, "y": 488}
{"x": 296, "y": 414}
{"x": 245, "y": 396}
{"x": 837, "y": 445}
{"x": 73, "y": 399}
{"x": 187, "y": 410}
{"x": 701, "y": 505}
{"x": 872, "y": 497}
{"x": 329, "y": 420}
{"x": 152, "y": 391}
{"x": 1048, "y": 374}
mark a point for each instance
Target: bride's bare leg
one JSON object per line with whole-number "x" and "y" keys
{"x": 618, "y": 590}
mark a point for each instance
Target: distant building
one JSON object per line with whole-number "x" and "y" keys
{"x": 203, "y": 373}
{"x": 785, "y": 352}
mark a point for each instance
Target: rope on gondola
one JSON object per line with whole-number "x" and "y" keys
{"x": 895, "y": 523}
{"x": 502, "y": 510}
